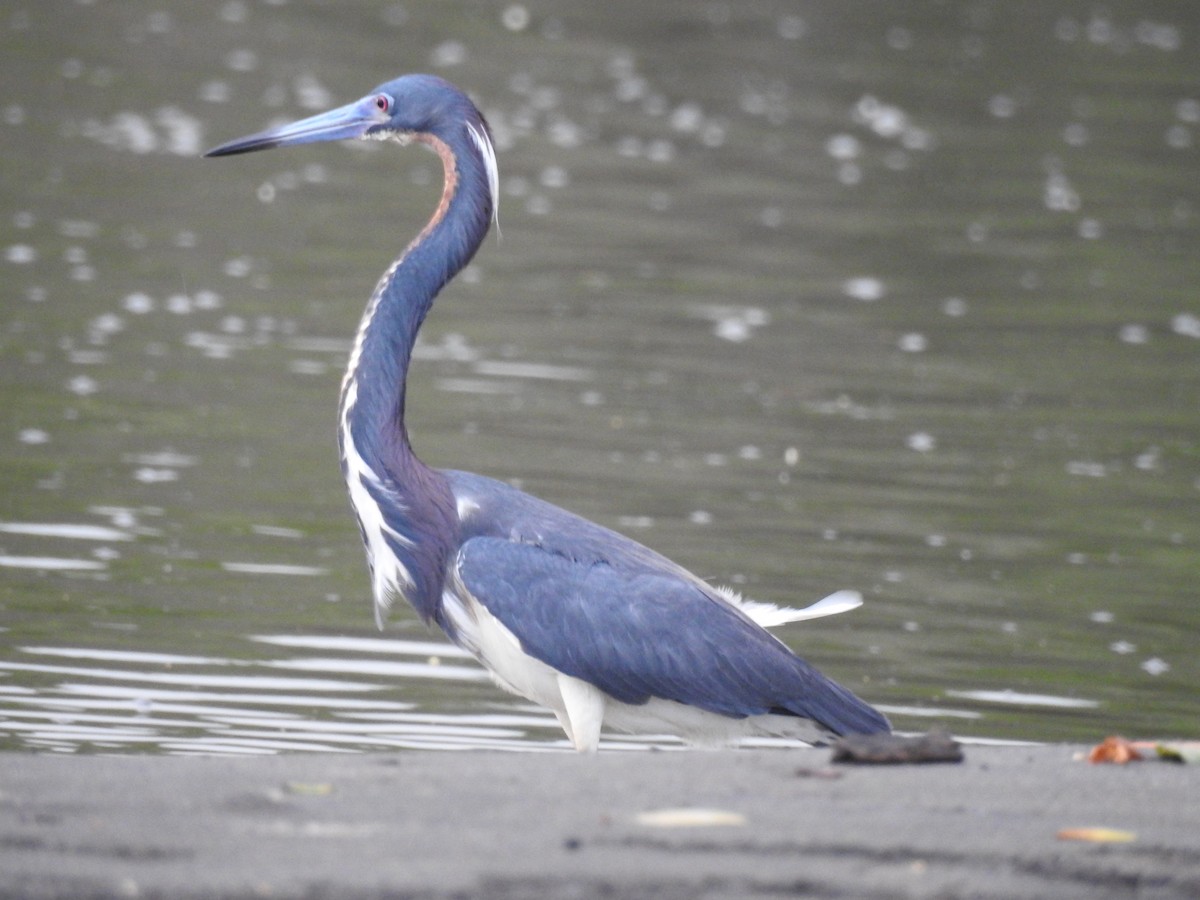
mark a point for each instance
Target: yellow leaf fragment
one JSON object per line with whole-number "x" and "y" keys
{"x": 689, "y": 817}
{"x": 1097, "y": 835}
{"x": 312, "y": 789}
{"x": 1179, "y": 751}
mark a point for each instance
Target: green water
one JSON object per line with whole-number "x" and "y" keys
{"x": 897, "y": 297}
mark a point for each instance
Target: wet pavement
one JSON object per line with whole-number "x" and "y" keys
{"x": 620, "y": 824}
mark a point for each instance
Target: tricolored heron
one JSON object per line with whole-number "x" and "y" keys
{"x": 578, "y": 618}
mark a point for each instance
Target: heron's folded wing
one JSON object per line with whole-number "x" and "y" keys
{"x": 637, "y": 634}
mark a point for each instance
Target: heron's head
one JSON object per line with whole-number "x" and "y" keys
{"x": 399, "y": 109}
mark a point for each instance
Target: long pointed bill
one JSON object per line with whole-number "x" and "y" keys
{"x": 353, "y": 120}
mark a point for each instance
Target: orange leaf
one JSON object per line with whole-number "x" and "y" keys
{"x": 1114, "y": 750}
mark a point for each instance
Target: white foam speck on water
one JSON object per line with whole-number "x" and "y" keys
{"x": 1016, "y": 698}
{"x": 250, "y": 568}
{"x": 51, "y": 563}
{"x": 68, "y": 530}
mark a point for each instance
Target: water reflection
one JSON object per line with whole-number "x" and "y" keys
{"x": 121, "y": 701}
{"x": 892, "y": 297}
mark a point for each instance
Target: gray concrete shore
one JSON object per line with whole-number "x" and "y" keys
{"x": 495, "y": 825}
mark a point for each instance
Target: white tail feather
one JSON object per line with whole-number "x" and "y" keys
{"x": 768, "y": 615}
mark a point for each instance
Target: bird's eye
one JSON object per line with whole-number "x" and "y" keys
{"x": 383, "y": 103}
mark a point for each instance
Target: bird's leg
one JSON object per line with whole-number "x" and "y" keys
{"x": 582, "y": 714}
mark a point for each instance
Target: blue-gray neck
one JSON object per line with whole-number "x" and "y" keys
{"x": 414, "y": 500}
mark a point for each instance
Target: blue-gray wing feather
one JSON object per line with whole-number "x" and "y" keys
{"x": 637, "y": 633}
